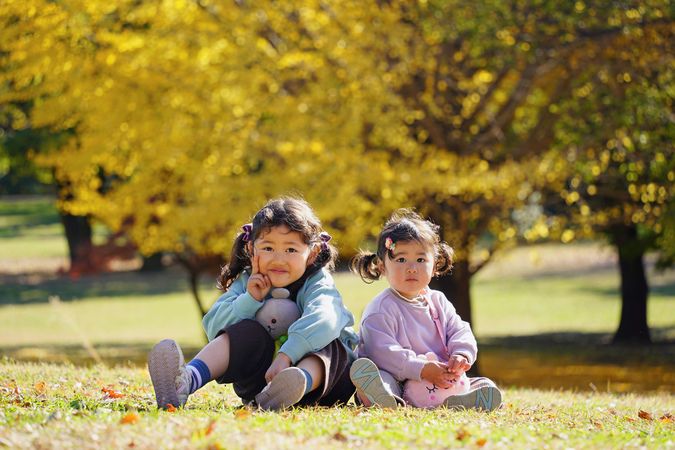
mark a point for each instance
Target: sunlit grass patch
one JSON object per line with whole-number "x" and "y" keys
{"x": 57, "y": 406}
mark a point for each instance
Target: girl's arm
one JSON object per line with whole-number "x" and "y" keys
{"x": 459, "y": 337}
{"x": 235, "y": 305}
{"x": 323, "y": 318}
{"x": 378, "y": 334}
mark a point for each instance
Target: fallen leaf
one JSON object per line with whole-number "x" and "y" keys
{"x": 462, "y": 434}
{"x": 210, "y": 427}
{"x": 130, "y": 418}
{"x": 242, "y": 414}
{"x": 111, "y": 393}
{"x": 340, "y": 437}
{"x": 481, "y": 442}
{"x": 666, "y": 418}
{"x": 629, "y": 419}
{"x": 40, "y": 387}
{"x": 170, "y": 408}
{"x": 645, "y": 415}
{"x": 215, "y": 446}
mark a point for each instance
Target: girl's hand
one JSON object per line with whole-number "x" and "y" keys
{"x": 281, "y": 362}
{"x": 437, "y": 373}
{"x": 258, "y": 283}
{"x": 458, "y": 364}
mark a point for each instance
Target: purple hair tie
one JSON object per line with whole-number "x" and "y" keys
{"x": 325, "y": 238}
{"x": 247, "y": 232}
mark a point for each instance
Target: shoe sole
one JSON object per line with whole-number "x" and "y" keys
{"x": 486, "y": 398}
{"x": 284, "y": 391}
{"x": 366, "y": 377}
{"x": 164, "y": 362}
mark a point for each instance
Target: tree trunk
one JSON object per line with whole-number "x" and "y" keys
{"x": 78, "y": 234}
{"x": 153, "y": 263}
{"x": 633, "y": 326}
{"x": 457, "y": 287}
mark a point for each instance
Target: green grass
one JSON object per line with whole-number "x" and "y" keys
{"x": 50, "y": 406}
{"x": 130, "y": 307}
{"x": 542, "y": 314}
{"x": 30, "y": 227}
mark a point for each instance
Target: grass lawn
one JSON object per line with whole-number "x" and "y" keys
{"x": 59, "y": 406}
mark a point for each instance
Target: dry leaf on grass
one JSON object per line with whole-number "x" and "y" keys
{"x": 130, "y": 418}
{"x": 170, "y": 408}
{"x": 666, "y": 418}
{"x": 242, "y": 414}
{"x": 645, "y": 415}
{"x": 462, "y": 434}
{"x": 111, "y": 393}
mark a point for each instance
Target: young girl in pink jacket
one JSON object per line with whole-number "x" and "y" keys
{"x": 410, "y": 332}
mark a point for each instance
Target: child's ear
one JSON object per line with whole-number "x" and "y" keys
{"x": 249, "y": 248}
{"x": 313, "y": 253}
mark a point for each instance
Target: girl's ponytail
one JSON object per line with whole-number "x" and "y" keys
{"x": 326, "y": 257}
{"x": 239, "y": 260}
{"x": 445, "y": 257}
{"x": 365, "y": 265}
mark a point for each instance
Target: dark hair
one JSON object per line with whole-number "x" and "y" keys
{"x": 292, "y": 212}
{"x": 404, "y": 225}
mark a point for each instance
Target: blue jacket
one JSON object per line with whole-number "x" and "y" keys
{"x": 323, "y": 315}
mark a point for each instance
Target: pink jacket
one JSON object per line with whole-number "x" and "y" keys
{"x": 395, "y": 332}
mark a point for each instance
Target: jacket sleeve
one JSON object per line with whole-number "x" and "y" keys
{"x": 323, "y": 318}
{"x": 235, "y": 305}
{"x": 459, "y": 337}
{"x": 378, "y": 335}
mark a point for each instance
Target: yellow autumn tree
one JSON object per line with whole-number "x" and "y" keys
{"x": 186, "y": 115}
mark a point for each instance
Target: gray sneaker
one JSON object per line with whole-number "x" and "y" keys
{"x": 170, "y": 378}
{"x": 284, "y": 391}
{"x": 486, "y": 398}
{"x": 366, "y": 377}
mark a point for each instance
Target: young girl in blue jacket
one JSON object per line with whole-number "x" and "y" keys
{"x": 283, "y": 247}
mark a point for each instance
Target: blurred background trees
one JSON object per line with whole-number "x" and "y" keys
{"x": 501, "y": 121}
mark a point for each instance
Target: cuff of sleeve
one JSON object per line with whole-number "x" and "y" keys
{"x": 468, "y": 354}
{"x": 296, "y": 347}
{"x": 413, "y": 369}
{"x": 246, "y": 306}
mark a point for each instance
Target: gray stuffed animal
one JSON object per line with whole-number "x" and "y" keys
{"x": 277, "y": 314}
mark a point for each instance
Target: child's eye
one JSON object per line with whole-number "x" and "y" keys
{"x": 421, "y": 260}
{"x": 400, "y": 260}
{"x": 267, "y": 249}
{"x": 291, "y": 250}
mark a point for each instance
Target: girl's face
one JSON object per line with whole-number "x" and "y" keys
{"x": 283, "y": 255}
{"x": 411, "y": 268}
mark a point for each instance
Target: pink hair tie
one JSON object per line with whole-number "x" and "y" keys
{"x": 247, "y": 232}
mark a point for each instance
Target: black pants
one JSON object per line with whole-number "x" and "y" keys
{"x": 252, "y": 352}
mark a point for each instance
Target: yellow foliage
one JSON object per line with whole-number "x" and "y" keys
{"x": 186, "y": 116}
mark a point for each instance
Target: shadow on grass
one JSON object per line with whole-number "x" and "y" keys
{"x": 575, "y": 361}
{"x": 25, "y": 289}
{"x": 580, "y": 361}
{"x": 665, "y": 288}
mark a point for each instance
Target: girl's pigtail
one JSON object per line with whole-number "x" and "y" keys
{"x": 239, "y": 260}
{"x": 365, "y": 265}
{"x": 444, "y": 259}
{"x": 326, "y": 257}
